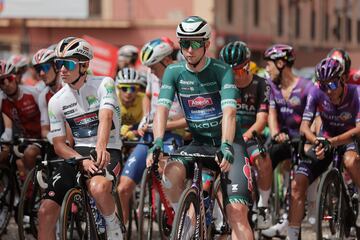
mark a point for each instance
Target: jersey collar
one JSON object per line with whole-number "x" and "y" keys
{"x": 205, "y": 66}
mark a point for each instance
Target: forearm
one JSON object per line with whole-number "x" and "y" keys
{"x": 160, "y": 120}
{"x": 103, "y": 134}
{"x": 228, "y": 124}
{"x": 62, "y": 149}
{"x": 272, "y": 122}
{"x": 258, "y": 126}
{"x": 176, "y": 124}
{"x": 45, "y": 129}
{"x": 305, "y": 129}
{"x": 7, "y": 121}
{"x": 146, "y": 105}
{"x": 345, "y": 137}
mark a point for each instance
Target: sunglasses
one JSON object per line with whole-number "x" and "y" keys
{"x": 8, "y": 78}
{"x": 194, "y": 44}
{"x": 68, "y": 64}
{"x": 128, "y": 89}
{"x": 330, "y": 85}
{"x": 240, "y": 70}
{"x": 45, "y": 67}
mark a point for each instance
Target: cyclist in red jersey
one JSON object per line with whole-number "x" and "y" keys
{"x": 20, "y": 105}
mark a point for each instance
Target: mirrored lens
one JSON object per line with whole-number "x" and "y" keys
{"x": 45, "y": 67}
{"x": 68, "y": 64}
{"x": 128, "y": 89}
{"x": 329, "y": 86}
{"x": 195, "y": 44}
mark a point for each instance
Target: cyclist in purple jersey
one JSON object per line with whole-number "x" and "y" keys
{"x": 287, "y": 102}
{"x": 338, "y": 105}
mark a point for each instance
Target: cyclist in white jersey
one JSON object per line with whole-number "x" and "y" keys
{"x": 89, "y": 105}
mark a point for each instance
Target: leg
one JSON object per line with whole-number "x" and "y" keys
{"x": 352, "y": 165}
{"x": 237, "y": 215}
{"x": 48, "y": 214}
{"x": 174, "y": 180}
{"x": 298, "y": 190}
{"x": 100, "y": 189}
{"x": 125, "y": 191}
{"x": 30, "y": 154}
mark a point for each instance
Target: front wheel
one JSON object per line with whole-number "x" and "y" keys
{"x": 330, "y": 210}
{"x": 188, "y": 220}
{"x": 7, "y": 193}
{"x": 146, "y": 213}
{"x": 75, "y": 221}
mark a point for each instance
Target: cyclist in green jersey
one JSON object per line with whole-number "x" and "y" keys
{"x": 207, "y": 94}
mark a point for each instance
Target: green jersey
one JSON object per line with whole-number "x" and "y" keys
{"x": 203, "y": 95}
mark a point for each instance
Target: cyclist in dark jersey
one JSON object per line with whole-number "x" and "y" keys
{"x": 252, "y": 115}
{"x": 287, "y": 103}
{"x": 207, "y": 94}
{"x": 338, "y": 105}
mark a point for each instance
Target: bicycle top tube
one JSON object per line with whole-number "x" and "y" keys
{"x": 208, "y": 161}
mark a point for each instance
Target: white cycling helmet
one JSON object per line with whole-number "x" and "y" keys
{"x": 74, "y": 47}
{"x": 128, "y": 76}
{"x": 193, "y": 27}
{"x": 6, "y": 69}
{"x": 129, "y": 53}
{"x": 155, "y": 51}
{"x": 16, "y": 62}
{"x": 43, "y": 56}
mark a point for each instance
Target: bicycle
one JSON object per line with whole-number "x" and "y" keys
{"x": 79, "y": 212}
{"x": 33, "y": 189}
{"x": 10, "y": 182}
{"x": 191, "y": 212}
{"x": 337, "y": 202}
{"x": 154, "y": 205}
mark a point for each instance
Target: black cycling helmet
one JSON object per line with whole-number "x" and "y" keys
{"x": 342, "y": 56}
{"x": 235, "y": 54}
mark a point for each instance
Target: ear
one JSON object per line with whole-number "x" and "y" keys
{"x": 207, "y": 44}
{"x": 85, "y": 66}
{"x": 279, "y": 63}
{"x": 168, "y": 60}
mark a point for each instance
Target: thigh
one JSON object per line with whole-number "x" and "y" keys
{"x": 237, "y": 184}
{"x": 136, "y": 163}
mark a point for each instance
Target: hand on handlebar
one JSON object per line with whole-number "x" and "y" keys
{"x": 227, "y": 152}
{"x": 322, "y": 145}
{"x": 281, "y": 137}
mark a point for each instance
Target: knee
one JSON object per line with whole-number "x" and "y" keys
{"x": 350, "y": 161}
{"x": 46, "y": 209}
{"x": 99, "y": 187}
{"x": 263, "y": 163}
{"x": 237, "y": 213}
{"x": 174, "y": 175}
{"x": 31, "y": 152}
{"x": 126, "y": 187}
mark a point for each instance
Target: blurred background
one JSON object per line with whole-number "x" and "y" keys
{"x": 313, "y": 27}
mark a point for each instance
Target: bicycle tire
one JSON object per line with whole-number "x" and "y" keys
{"x": 73, "y": 212}
{"x": 146, "y": 214}
{"x": 7, "y": 195}
{"x": 188, "y": 198}
{"x": 327, "y": 209}
{"x": 29, "y": 201}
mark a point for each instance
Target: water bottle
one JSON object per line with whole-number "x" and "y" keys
{"x": 99, "y": 219}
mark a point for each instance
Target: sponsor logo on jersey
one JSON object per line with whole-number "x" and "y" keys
{"x": 183, "y": 82}
{"x": 344, "y": 116}
{"x": 85, "y": 119}
{"x": 208, "y": 84}
{"x": 92, "y": 100}
{"x": 200, "y": 102}
{"x": 231, "y": 86}
{"x": 203, "y": 125}
{"x": 295, "y": 101}
{"x": 69, "y": 106}
{"x": 110, "y": 88}
{"x": 165, "y": 86}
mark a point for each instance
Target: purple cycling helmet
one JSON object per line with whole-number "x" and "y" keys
{"x": 328, "y": 69}
{"x": 280, "y": 51}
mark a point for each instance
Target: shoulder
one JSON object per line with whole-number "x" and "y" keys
{"x": 218, "y": 65}
{"x": 44, "y": 92}
{"x": 29, "y": 90}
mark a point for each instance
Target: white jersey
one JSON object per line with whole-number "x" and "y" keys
{"x": 153, "y": 90}
{"x": 80, "y": 109}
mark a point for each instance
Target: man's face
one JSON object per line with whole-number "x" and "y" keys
{"x": 8, "y": 85}
{"x": 241, "y": 74}
{"x": 333, "y": 89}
{"x": 193, "y": 49}
{"x": 272, "y": 70}
{"x": 46, "y": 72}
{"x": 69, "y": 69}
{"x": 127, "y": 93}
